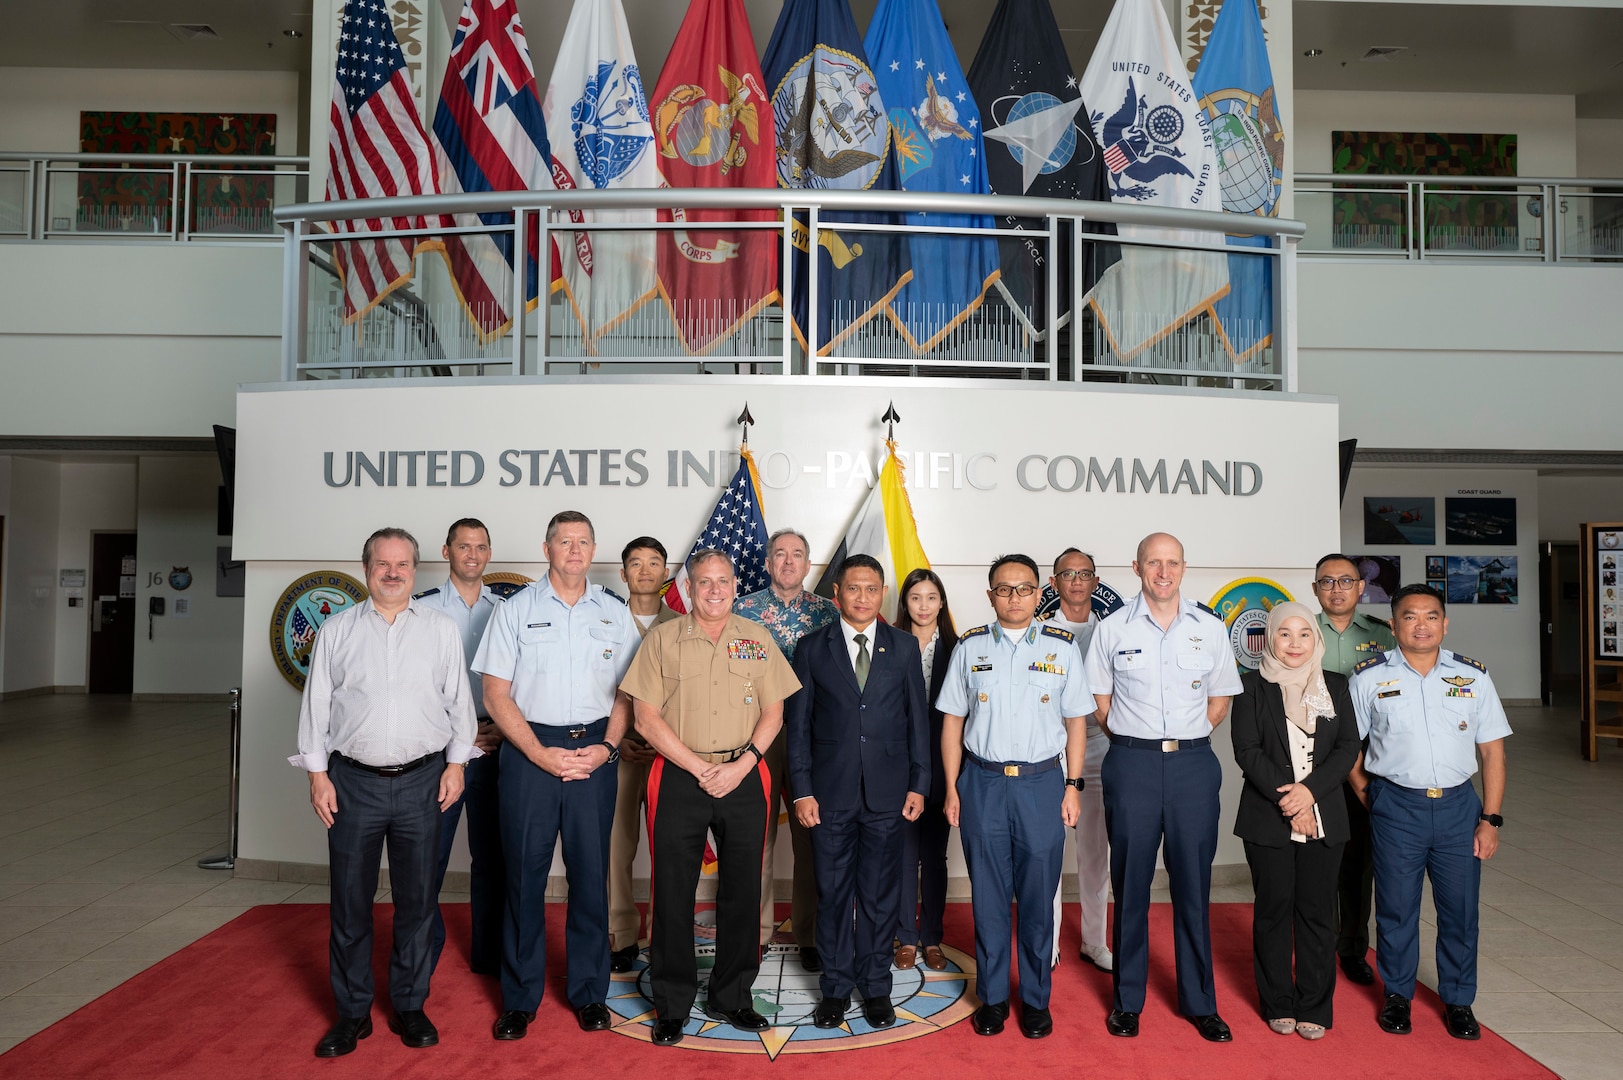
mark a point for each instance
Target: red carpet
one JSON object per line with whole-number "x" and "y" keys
{"x": 252, "y": 998}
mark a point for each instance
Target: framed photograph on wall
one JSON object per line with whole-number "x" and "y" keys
{"x": 1482, "y": 579}
{"x": 1436, "y": 567}
{"x": 1382, "y": 574}
{"x": 1479, "y": 522}
{"x": 1400, "y": 520}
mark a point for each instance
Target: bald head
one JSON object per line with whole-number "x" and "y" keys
{"x": 1158, "y": 539}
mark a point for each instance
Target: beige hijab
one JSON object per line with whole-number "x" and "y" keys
{"x": 1307, "y": 699}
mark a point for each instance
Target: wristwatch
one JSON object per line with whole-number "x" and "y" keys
{"x": 1077, "y": 782}
{"x": 614, "y": 752}
{"x": 1496, "y": 820}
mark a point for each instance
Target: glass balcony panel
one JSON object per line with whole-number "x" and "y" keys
{"x": 13, "y": 199}
{"x": 1591, "y": 222}
{"x": 1483, "y": 221}
{"x": 110, "y": 201}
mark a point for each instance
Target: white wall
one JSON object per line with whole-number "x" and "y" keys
{"x": 94, "y": 497}
{"x": 39, "y": 107}
{"x": 28, "y": 629}
{"x": 1504, "y": 637}
{"x": 1600, "y": 147}
{"x": 1565, "y": 502}
{"x": 176, "y": 520}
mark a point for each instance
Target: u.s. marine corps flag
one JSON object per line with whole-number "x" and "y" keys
{"x": 1235, "y": 86}
{"x": 935, "y": 132}
{"x": 713, "y": 128}
{"x": 597, "y": 123}
{"x": 833, "y": 132}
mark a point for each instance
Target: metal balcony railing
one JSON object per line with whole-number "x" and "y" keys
{"x": 1112, "y": 292}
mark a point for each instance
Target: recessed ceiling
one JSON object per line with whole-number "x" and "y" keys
{"x": 154, "y": 34}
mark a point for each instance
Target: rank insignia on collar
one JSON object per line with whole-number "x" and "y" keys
{"x": 1458, "y": 680}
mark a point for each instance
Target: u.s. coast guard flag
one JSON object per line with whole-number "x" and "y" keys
{"x": 1157, "y": 151}
{"x": 1235, "y": 86}
{"x": 713, "y": 126}
{"x": 489, "y": 136}
{"x": 597, "y": 124}
{"x": 935, "y": 131}
{"x": 833, "y": 132}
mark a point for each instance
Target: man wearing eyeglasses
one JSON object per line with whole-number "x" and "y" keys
{"x": 1013, "y": 740}
{"x": 1075, "y": 577}
{"x": 1351, "y": 637}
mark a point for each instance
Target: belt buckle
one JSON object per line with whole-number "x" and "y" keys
{"x": 578, "y": 732}
{"x": 1434, "y": 793}
{"x": 1011, "y": 770}
{"x": 1168, "y": 745}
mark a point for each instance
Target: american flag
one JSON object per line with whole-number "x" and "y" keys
{"x": 737, "y": 527}
{"x": 375, "y": 148}
{"x": 303, "y": 632}
{"x": 1118, "y": 156}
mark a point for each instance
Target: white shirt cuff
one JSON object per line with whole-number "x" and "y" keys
{"x": 309, "y": 762}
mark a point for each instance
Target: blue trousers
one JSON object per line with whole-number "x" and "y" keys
{"x": 538, "y": 811}
{"x": 856, "y": 852}
{"x": 487, "y": 886}
{"x": 1014, "y": 843}
{"x": 1155, "y": 799}
{"x": 1413, "y": 836}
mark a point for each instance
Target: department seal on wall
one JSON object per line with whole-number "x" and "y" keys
{"x": 1243, "y": 605}
{"x": 504, "y": 583}
{"x": 1105, "y": 601}
{"x": 299, "y": 613}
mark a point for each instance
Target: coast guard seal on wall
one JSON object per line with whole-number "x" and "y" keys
{"x": 299, "y": 613}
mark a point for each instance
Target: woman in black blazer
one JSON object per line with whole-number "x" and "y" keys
{"x": 923, "y": 612}
{"x": 1295, "y": 739}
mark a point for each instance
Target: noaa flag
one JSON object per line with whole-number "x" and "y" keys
{"x": 1038, "y": 142}
{"x": 885, "y": 529}
{"x": 833, "y": 133}
{"x": 489, "y": 136}
{"x": 1157, "y": 151}
{"x": 935, "y": 131}
{"x": 597, "y": 123}
{"x": 713, "y": 126}
{"x": 1235, "y": 87}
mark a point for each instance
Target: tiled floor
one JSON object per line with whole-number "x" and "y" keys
{"x": 106, "y": 806}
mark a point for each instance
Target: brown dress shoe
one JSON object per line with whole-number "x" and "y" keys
{"x": 907, "y": 956}
{"x": 934, "y": 958}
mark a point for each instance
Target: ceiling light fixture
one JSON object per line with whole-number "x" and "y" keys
{"x": 1311, "y": 53}
{"x": 293, "y": 33}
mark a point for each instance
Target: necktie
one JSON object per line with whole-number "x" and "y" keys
{"x": 863, "y": 660}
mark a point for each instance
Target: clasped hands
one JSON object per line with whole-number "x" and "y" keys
{"x": 1297, "y": 806}
{"x": 568, "y": 764}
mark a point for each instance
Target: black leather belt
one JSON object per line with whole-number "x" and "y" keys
{"x": 389, "y": 770}
{"x": 1166, "y": 746}
{"x": 1014, "y": 768}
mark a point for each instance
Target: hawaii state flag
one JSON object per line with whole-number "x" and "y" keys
{"x": 935, "y": 130}
{"x": 598, "y": 128}
{"x": 737, "y": 525}
{"x": 883, "y": 528}
{"x": 833, "y": 133}
{"x": 1235, "y": 85}
{"x": 489, "y": 136}
{"x": 713, "y": 127}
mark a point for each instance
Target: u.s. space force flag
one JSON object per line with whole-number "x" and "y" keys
{"x": 489, "y": 136}
{"x": 935, "y": 131}
{"x": 1157, "y": 152}
{"x": 1235, "y": 86}
{"x": 713, "y": 127}
{"x": 597, "y": 124}
{"x": 833, "y": 132}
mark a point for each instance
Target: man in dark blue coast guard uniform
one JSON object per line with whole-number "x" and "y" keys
{"x": 1015, "y": 704}
{"x": 1428, "y": 714}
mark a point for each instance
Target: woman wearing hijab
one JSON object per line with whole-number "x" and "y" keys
{"x": 1295, "y": 739}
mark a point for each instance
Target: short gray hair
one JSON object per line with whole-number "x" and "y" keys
{"x": 389, "y": 533}
{"x": 781, "y": 533}
{"x": 705, "y": 555}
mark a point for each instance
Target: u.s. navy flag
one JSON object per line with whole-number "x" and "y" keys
{"x": 833, "y": 132}
{"x": 713, "y": 126}
{"x": 737, "y": 525}
{"x": 489, "y": 136}
{"x": 935, "y": 131}
{"x": 1038, "y": 141}
{"x": 597, "y": 124}
{"x": 1158, "y": 152}
{"x": 1235, "y": 86}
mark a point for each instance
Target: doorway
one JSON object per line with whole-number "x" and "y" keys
{"x": 111, "y": 668}
{"x": 1560, "y": 642}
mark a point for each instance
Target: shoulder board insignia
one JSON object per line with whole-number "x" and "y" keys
{"x": 1208, "y": 610}
{"x": 1468, "y": 662}
{"x": 1378, "y": 622}
{"x": 610, "y": 592}
{"x": 426, "y": 592}
{"x": 1375, "y": 661}
{"x": 1059, "y": 632}
{"x": 506, "y": 589}
{"x": 976, "y": 631}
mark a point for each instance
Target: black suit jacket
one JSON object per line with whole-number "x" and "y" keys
{"x": 1262, "y": 750}
{"x": 850, "y": 747}
{"x": 937, "y": 795}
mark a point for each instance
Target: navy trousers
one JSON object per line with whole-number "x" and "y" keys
{"x": 1014, "y": 843}
{"x": 487, "y": 884}
{"x": 856, "y": 852}
{"x": 538, "y": 810}
{"x": 924, "y": 877}
{"x": 403, "y": 813}
{"x": 1155, "y": 799}
{"x": 1414, "y": 836}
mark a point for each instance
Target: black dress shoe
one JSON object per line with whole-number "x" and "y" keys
{"x": 1212, "y": 1028}
{"x": 830, "y": 1012}
{"x": 621, "y": 960}
{"x": 745, "y": 1019}
{"x": 1394, "y": 1017}
{"x": 414, "y": 1027}
{"x": 342, "y": 1036}
{"x": 878, "y": 1012}
{"x": 512, "y": 1024}
{"x": 1461, "y": 1022}
{"x": 1035, "y": 1023}
{"x": 1357, "y": 970}
{"x": 988, "y": 1019}
{"x": 667, "y": 1032}
{"x": 594, "y": 1017}
{"x": 1122, "y": 1024}
{"x": 811, "y": 959}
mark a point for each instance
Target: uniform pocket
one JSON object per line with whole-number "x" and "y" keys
{"x": 743, "y": 678}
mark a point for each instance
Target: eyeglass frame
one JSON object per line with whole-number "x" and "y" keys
{"x": 1076, "y": 575}
{"x": 1340, "y": 584}
{"x": 1005, "y": 590}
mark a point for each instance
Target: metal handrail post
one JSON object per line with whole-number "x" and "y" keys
{"x": 295, "y": 299}
{"x": 543, "y": 289}
{"x": 521, "y": 262}
{"x": 1079, "y": 252}
{"x": 228, "y": 860}
{"x": 813, "y": 290}
{"x": 1285, "y": 313}
{"x": 1051, "y": 293}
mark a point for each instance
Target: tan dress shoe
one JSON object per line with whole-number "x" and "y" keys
{"x": 907, "y": 956}
{"x": 934, "y": 958}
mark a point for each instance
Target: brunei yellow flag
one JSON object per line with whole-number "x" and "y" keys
{"x": 884, "y": 528}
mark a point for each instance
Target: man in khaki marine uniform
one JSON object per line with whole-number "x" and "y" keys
{"x": 708, "y": 692}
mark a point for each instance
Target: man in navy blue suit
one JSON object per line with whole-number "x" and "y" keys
{"x": 859, "y": 745}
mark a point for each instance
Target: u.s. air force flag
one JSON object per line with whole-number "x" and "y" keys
{"x": 597, "y": 123}
{"x": 1157, "y": 152}
{"x": 935, "y": 131}
{"x": 833, "y": 132}
{"x": 1235, "y": 86}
